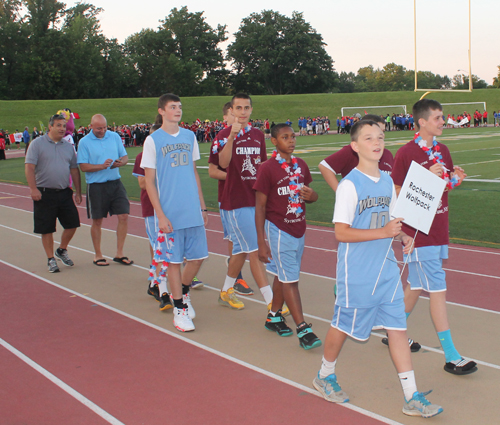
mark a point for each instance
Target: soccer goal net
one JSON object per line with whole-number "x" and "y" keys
{"x": 351, "y": 111}
{"x": 459, "y": 108}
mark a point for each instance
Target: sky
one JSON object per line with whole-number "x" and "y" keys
{"x": 357, "y": 33}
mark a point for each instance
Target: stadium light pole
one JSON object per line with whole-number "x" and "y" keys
{"x": 415, "y": 49}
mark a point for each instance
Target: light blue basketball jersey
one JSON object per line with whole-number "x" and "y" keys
{"x": 175, "y": 178}
{"x": 359, "y": 265}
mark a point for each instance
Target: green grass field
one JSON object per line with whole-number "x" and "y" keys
{"x": 18, "y": 114}
{"x": 474, "y": 205}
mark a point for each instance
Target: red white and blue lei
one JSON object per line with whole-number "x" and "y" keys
{"x": 294, "y": 199}
{"x": 436, "y": 157}
{"x": 162, "y": 253}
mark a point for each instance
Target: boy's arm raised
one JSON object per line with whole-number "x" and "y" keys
{"x": 345, "y": 233}
{"x": 226, "y": 154}
{"x": 260, "y": 218}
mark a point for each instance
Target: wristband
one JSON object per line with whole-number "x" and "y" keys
{"x": 204, "y": 210}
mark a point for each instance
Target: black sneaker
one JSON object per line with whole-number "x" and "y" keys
{"x": 414, "y": 346}
{"x": 165, "y": 303}
{"x": 63, "y": 255}
{"x": 52, "y": 263}
{"x": 278, "y": 324}
{"x": 307, "y": 338}
{"x": 154, "y": 292}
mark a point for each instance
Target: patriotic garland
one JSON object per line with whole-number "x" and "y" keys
{"x": 293, "y": 200}
{"x": 220, "y": 143}
{"x": 163, "y": 253}
{"x": 436, "y": 157}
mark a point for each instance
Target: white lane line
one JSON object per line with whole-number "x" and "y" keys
{"x": 263, "y": 303}
{"x": 61, "y": 384}
{"x": 214, "y": 253}
{"x": 206, "y": 348}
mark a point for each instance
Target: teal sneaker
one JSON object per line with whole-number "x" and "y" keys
{"x": 307, "y": 338}
{"x": 278, "y": 324}
{"x": 330, "y": 389}
{"x": 420, "y": 406}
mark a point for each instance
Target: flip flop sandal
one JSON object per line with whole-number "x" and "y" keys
{"x": 123, "y": 260}
{"x": 462, "y": 367}
{"x": 101, "y": 262}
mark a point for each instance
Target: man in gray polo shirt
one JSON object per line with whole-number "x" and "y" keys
{"x": 49, "y": 163}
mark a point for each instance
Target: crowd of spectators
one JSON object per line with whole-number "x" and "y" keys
{"x": 206, "y": 131}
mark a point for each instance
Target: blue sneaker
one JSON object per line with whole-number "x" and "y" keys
{"x": 330, "y": 389}
{"x": 420, "y": 406}
{"x": 196, "y": 283}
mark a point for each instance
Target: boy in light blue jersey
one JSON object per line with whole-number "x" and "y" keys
{"x": 369, "y": 292}
{"x": 174, "y": 188}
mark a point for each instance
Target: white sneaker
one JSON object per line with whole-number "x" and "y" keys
{"x": 182, "y": 322}
{"x": 186, "y": 299}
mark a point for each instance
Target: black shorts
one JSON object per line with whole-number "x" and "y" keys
{"x": 55, "y": 204}
{"x": 108, "y": 197}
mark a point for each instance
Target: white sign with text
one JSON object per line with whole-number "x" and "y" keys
{"x": 419, "y": 198}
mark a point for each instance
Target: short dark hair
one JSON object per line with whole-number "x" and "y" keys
{"x": 226, "y": 108}
{"x": 241, "y": 96}
{"x": 275, "y": 130}
{"x": 356, "y": 128}
{"x": 165, "y": 98}
{"x": 423, "y": 108}
{"x": 56, "y": 117}
{"x": 373, "y": 117}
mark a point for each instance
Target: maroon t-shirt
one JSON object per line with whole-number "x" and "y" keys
{"x": 214, "y": 159}
{"x": 438, "y": 233}
{"x": 249, "y": 152}
{"x": 273, "y": 181}
{"x": 345, "y": 160}
{"x": 147, "y": 207}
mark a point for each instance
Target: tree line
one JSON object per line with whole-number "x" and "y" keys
{"x": 49, "y": 51}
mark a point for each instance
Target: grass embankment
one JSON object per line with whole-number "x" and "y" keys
{"x": 18, "y": 114}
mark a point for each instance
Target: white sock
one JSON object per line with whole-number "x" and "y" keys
{"x": 408, "y": 384}
{"x": 228, "y": 283}
{"x": 162, "y": 286}
{"x": 267, "y": 293}
{"x": 327, "y": 368}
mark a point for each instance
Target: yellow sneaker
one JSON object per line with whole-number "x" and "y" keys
{"x": 228, "y": 299}
{"x": 285, "y": 311}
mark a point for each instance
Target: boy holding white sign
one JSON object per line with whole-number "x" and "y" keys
{"x": 369, "y": 293}
{"x": 425, "y": 265}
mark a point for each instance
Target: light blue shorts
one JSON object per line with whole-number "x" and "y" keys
{"x": 359, "y": 322}
{"x": 425, "y": 268}
{"x": 287, "y": 254}
{"x": 241, "y": 229}
{"x": 189, "y": 244}
{"x": 150, "y": 229}
{"x": 224, "y": 225}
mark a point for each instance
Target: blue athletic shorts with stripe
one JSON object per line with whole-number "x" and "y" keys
{"x": 241, "y": 229}
{"x": 189, "y": 244}
{"x": 359, "y": 322}
{"x": 425, "y": 268}
{"x": 150, "y": 229}
{"x": 224, "y": 225}
{"x": 286, "y": 251}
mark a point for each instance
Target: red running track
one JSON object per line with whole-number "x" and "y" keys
{"x": 134, "y": 372}
{"x": 473, "y": 274}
